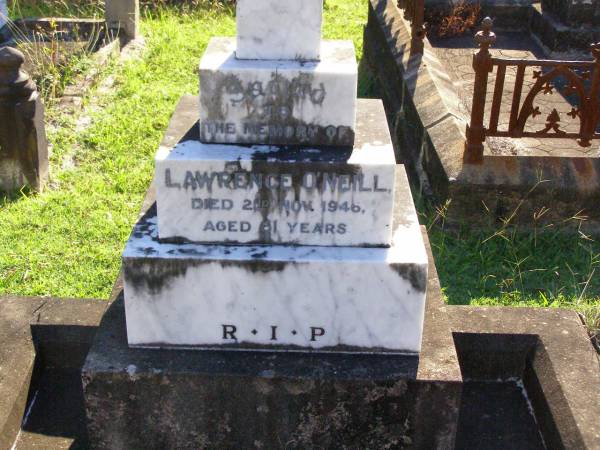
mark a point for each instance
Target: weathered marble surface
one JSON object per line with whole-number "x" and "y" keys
{"x": 279, "y": 29}
{"x": 277, "y": 297}
{"x": 278, "y": 102}
{"x": 210, "y": 192}
{"x": 262, "y": 195}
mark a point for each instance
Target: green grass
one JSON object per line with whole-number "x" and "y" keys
{"x": 56, "y": 8}
{"x": 554, "y": 266}
{"x": 67, "y": 241}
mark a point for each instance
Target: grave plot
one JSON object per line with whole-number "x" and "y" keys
{"x": 58, "y": 49}
{"x": 489, "y": 122}
{"x": 47, "y": 63}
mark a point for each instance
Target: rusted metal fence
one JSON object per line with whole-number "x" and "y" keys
{"x": 414, "y": 12}
{"x": 580, "y": 79}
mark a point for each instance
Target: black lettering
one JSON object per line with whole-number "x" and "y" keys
{"x": 308, "y": 181}
{"x": 272, "y": 182}
{"x": 329, "y": 179}
{"x": 229, "y": 332}
{"x": 304, "y": 228}
{"x": 241, "y": 180}
{"x": 341, "y": 228}
{"x": 316, "y": 332}
{"x": 256, "y": 181}
{"x": 331, "y": 132}
{"x": 317, "y": 96}
{"x": 302, "y": 133}
{"x": 190, "y": 181}
{"x": 361, "y": 184}
{"x": 273, "y": 333}
{"x": 286, "y": 181}
{"x": 376, "y": 185}
{"x": 204, "y": 179}
{"x": 227, "y": 205}
{"x": 168, "y": 182}
{"x": 345, "y": 183}
{"x": 329, "y": 228}
{"x": 275, "y": 131}
{"x": 245, "y": 227}
{"x": 209, "y": 226}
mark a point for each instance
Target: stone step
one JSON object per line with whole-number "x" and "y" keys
{"x": 181, "y": 294}
{"x": 210, "y": 193}
{"x": 342, "y": 299}
{"x": 17, "y": 358}
{"x": 279, "y": 29}
{"x": 278, "y": 102}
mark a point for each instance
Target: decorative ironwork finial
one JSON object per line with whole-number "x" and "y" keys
{"x": 486, "y": 37}
{"x": 595, "y": 48}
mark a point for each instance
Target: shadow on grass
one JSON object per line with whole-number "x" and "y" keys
{"x": 512, "y": 265}
{"x": 9, "y": 198}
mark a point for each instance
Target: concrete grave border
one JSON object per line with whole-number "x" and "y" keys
{"x": 428, "y": 123}
{"x": 548, "y": 349}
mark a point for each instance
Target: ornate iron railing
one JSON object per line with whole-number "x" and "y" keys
{"x": 414, "y": 12}
{"x": 580, "y": 79}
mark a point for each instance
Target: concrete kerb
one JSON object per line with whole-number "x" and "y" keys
{"x": 39, "y": 333}
{"x": 548, "y": 349}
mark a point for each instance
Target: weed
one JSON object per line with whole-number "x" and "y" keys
{"x": 547, "y": 265}
{"x": 462, "y": 17}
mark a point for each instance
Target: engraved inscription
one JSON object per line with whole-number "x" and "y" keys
{"x": 272, "y": 333}
{"x": 267, "y": 111}
{"x": 274, "y": 206}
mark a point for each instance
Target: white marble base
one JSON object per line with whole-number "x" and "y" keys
{"x": 279, "y": 29}
{"x": 278, "y": 102}
{"x": 341, "y": 299}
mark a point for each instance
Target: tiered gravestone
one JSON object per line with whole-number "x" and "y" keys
{"x": 282, "y": 227}
{"x": 287, "y": 243}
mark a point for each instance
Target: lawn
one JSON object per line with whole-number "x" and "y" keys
{"x": 67, "y": 241}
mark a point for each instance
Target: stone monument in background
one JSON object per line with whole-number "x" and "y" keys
{"x": 280, "y": 241}
{"x": 23, "y": 145}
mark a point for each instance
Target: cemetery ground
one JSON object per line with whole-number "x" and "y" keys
{"x": 67, "y": 241}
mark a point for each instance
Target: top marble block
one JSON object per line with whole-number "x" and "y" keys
{"x": 279, "y": 29}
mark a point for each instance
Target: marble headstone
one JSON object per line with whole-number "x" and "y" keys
{"x": 278, "y": 102}
{"x": 279, "y": 29}
{"x": 282, "y": 221}
{"x": 3, "y": 13}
